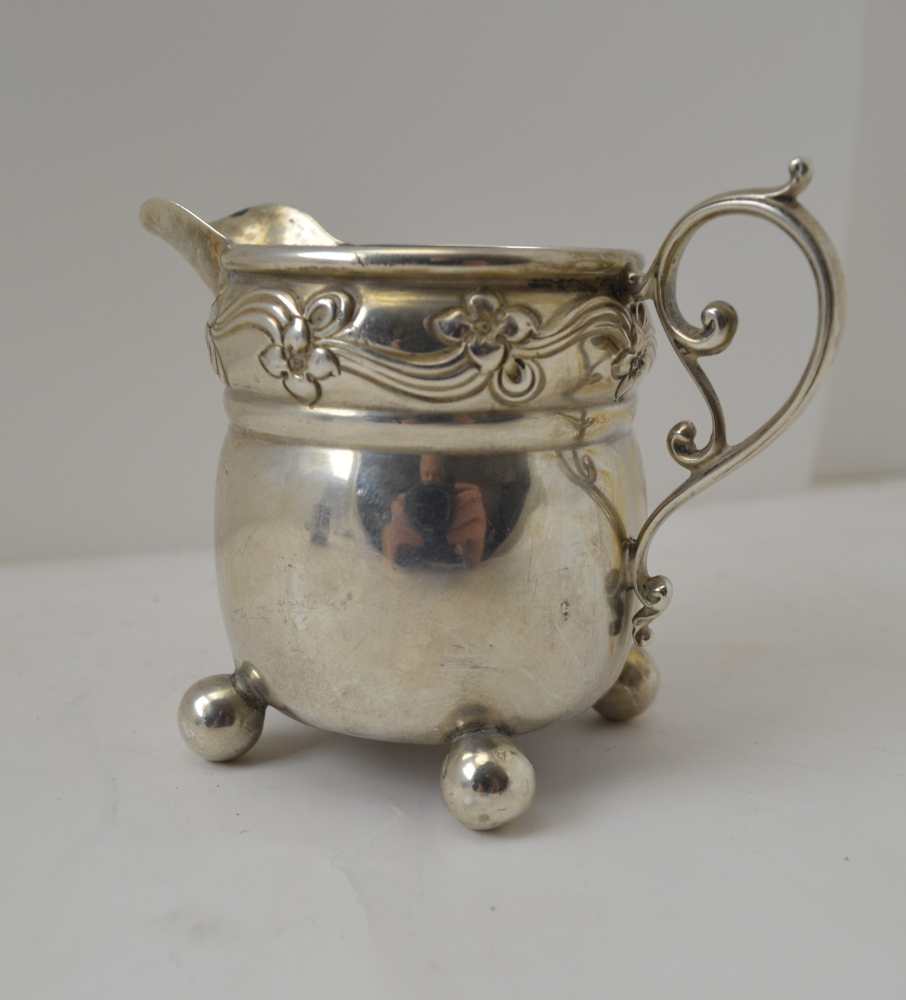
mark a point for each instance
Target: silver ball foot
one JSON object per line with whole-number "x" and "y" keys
{"x": 218, "y": 722}
{"x": 486, "y": 780}
{"x": 634, "y": 691}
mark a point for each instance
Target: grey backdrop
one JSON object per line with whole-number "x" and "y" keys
{"x": 560, "y": 123}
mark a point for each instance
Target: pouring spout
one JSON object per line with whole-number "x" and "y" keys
{"x": 274, "y": 225}
{"x": 201, "y": 245}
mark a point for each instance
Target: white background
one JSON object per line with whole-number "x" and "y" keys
{"x": 562, "y": 123}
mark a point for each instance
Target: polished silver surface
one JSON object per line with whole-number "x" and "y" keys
{"x": 716, "y": 458}
{"x": 430, "y": 503}
{"x": 410, "y": 596}
{"x": 218, "y": 721}
{"x": 486, "y": 781}
{"x": 635, "y": 689}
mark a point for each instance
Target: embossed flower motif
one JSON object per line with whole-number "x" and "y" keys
{"x": 493, "y": 337}
{"x": 628, "y": 366}
{"x": 298, "y": 359}
{"x": 631, "y": 363}
{"x": 487, "y": 328}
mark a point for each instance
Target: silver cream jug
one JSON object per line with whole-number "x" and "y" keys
{"x": 431, "y": 522}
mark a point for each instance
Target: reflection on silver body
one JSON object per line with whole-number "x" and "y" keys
{"x": 430, "y": 505}
{"x": 411, "y": 596}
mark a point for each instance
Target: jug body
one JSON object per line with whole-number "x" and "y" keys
{"x": 409, "y": 596}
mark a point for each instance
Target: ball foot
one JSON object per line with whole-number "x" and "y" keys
{"x": 634, "y": 691}
{"x": 218, "y": 722}
{"x": 486, "y": 780}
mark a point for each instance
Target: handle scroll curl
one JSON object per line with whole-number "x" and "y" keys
{"x": 715, "y": 458}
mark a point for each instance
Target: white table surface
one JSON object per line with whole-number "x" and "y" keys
{"x": 746, "y": 838}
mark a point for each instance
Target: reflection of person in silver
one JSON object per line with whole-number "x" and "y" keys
{"x": 434, "y": 512}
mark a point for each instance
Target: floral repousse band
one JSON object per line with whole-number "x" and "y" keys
{"x": 484, "y": 343}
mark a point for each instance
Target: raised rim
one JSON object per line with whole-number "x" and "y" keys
{"x": 435, "y": 261}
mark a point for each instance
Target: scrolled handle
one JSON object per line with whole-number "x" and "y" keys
{"x": 711, "y": 461}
